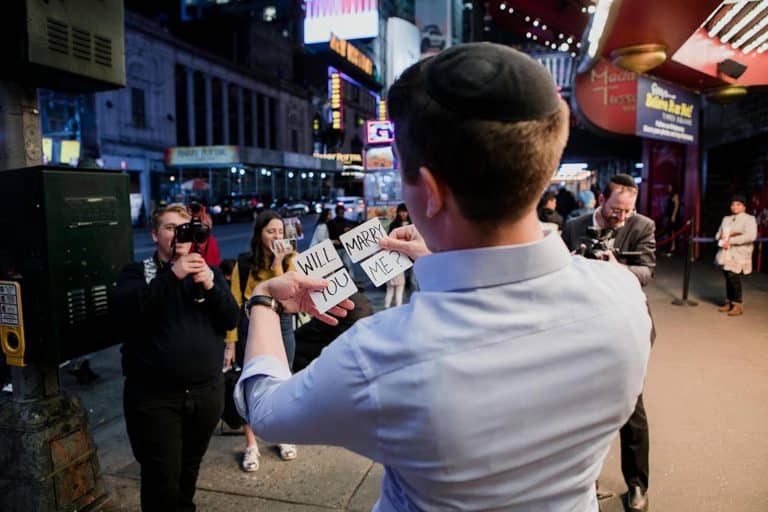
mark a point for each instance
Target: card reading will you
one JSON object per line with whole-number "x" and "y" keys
{"x": 323, "y": 261}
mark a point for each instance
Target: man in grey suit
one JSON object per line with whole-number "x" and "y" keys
{"x": 632, "y": 233}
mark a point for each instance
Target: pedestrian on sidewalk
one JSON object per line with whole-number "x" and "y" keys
{"x": 636, "y": 233}
{"x": 502, "y": 383}
{"x": 396, "y": 285}
{"x": 735, "y": 237}
{"x": 269, "y": 257}
{"x": 172, "y": 353}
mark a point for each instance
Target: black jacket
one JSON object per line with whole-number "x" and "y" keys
{"x": 168, "y": 337}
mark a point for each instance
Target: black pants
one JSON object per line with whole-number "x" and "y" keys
{"x": 634, "y": 447}
{"x": 169, "y": 432}
{"x": 732, "y": 286}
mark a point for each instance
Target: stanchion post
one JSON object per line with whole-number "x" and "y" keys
{"x": 687, "y": 270}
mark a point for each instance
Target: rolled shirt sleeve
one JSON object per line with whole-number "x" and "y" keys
{"x": 330, "y": 402}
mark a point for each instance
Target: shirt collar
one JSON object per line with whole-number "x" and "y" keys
{"x": 491, "y": 266}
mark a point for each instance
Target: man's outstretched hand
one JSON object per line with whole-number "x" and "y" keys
{"x": 292, "y": 291}
{"x": 406, "y": 240}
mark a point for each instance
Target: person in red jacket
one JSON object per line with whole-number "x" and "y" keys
{"x": 209, "y": 249}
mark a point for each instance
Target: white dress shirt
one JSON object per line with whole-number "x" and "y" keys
{"x": 498, "y": 387}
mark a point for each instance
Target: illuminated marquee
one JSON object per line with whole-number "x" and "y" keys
{"x": 349, "y": 19}
{"x": 337, "y": 103}
{"x": 381, "y": 109}
{"x": 352, "y": 54}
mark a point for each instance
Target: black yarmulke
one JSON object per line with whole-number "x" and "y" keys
{"x": 491, "y": 82}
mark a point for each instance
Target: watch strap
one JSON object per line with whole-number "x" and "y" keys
{"x": 263, "y": 300}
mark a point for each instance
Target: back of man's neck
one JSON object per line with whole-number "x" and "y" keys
{"x": 467, "y": 235}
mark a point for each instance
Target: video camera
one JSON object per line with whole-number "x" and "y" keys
{"x": 595, "y": 245}
{"x": 193, "y": 231}
{"x": 196, "y": 232}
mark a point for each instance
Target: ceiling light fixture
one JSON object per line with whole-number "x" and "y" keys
{"x": 750, "y": 33}
{"x": 756, "y": 42}
{"x": 744, "y": 21}
{"x": 727, "y": 18}
{"x": 599, "y": 21}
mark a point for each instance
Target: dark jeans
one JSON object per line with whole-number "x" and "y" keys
{"x": 635, "y": 444}
{"x": 732, "y": 286}
{"x": 169, "y": 432}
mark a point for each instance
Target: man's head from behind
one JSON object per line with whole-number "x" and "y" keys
{"x": 617, "y": 202}
{"x": 486, "y": 124}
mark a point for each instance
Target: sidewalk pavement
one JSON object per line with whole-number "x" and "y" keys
{"x": 705, "y": 396}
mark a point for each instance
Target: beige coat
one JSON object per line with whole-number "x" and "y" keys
{"x": 743, "y": 231}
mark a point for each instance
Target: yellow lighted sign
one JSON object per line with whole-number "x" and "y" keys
{"x": 382, "y": 110}
{"x": 336, "y": 101}
{"x": 47, "y": 149}
{"x": 351, "y": 54}
{"x": 70, "y": 152}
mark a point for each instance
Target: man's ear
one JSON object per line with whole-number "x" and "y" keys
{"x": 154, "y": 236}
{"x": 434, "y": 190}
{"x": 600, "y": 199}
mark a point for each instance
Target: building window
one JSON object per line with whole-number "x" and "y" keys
{"x": 182, "y": 126}
{"x": 295, "y": 140}
{"x": 218, "y": 126}
{"x": 138, "y": 108}
{"x": 272, "y": 123}
{"x": 248, "y": 117}
{"x": 198, "y": 81}
{"x": 234, "y": 134}
{"x": 261, "y": 122}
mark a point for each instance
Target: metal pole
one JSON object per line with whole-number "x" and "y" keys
{"x": 685, "y": 301}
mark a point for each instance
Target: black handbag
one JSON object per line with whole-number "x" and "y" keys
{"x": 230, "y": 415}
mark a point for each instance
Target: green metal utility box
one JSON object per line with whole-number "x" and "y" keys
{"x": 65, "y": 234}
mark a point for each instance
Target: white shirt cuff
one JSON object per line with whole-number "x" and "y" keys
{"x": 260, "y": 374}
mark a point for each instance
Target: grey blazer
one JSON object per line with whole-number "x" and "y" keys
{"x": 637, "y": 234}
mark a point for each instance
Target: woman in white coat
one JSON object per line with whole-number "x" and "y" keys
{"x": 736, "y": 238}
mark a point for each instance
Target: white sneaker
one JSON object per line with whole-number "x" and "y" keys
{"x": 251, "y": 459}
{"x": 288, "y": 451}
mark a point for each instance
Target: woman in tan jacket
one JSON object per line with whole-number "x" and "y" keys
{"x": 736, "y": 238}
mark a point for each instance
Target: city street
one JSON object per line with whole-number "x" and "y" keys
{"x": 705, "y": 397}
{"x": 233, "y": 238}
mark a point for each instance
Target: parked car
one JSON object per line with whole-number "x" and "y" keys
{"x": 237, "y": 208}
{"x": 354, "y": 207}
{"x": 296, "y": 209}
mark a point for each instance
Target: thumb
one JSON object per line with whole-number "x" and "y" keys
{"x": 392, "y": 244}
{"x": 311, "y": 283}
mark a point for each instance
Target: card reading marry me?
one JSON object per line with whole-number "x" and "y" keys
{"x": 363, "y": 241}
{"x": 323, "y": 261}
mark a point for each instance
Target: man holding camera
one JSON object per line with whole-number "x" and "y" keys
{"x": 174, "y": 310}
{"x": 489, "y": 390}
{"x": 632, "y": 233}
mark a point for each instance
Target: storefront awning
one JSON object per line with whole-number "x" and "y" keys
{"x": 227, "y": 156}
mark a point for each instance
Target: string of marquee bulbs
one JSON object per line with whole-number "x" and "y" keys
{"x": 559, "y": 41}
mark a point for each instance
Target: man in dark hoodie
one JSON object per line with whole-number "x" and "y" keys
{"x": 172, "y": 360}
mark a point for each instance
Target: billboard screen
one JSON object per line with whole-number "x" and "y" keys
{"x": 379, "y": 157}
{"x": 403, "y": 47}
{"x": 348, "y": 19}
{"x": 379, "y": 132}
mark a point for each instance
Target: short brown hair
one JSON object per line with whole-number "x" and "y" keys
{"x": 171, "y": 208}
{"x": 495, "y": 169}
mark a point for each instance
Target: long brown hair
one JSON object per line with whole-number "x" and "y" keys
{"x": 262, "y": 259}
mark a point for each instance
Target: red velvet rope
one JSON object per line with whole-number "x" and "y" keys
{"x": 673, "y": 236}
